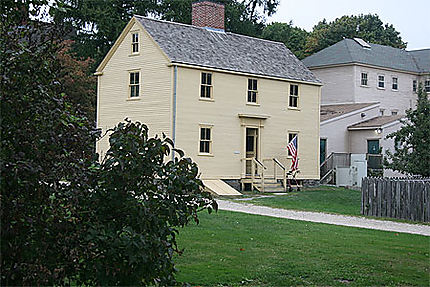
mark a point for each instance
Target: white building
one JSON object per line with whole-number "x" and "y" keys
{"x": 366, "y": 90}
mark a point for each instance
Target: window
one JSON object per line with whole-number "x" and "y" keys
{"x": 427, "y": 86}
{"x": 381, "y": 82}
{"x": 135, "y": 43}
{"x": 394, "y": 112}
{"x": 290, "y": 138}
{"x": 205, "y": 140}
{"x": 414, "y": 85}
{"x": 294, "y": 96}
{"x": 134, "y": 84}
{"x": 381, "y": 112}
{"x": 364, "y": 79}
{"x": 206, "y": 86}
{"x": 395, "y": 85}
{"x": 252, "y": 91}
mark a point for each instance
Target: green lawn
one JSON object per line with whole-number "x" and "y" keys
{"x": 323, "y": 199}
{"x": 235, "y": 249}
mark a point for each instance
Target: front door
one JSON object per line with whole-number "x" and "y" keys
{"x": 251, "y": 147}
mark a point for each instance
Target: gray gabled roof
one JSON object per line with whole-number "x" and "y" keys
{"x": 227, "y": 51}
{"x": 376, "y": 122}
{"x": 328, "y": 112}
{"x": 422, "y": 59}
{"x": 350, "y": 51}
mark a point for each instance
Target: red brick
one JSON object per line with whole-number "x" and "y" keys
{"x": 208, "y": 14}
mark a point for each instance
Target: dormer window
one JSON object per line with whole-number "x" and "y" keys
{"x": 252, "y": 91}
{"x": 135, "y": 43}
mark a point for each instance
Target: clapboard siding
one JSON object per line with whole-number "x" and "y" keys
{"x": 154, "y": 106}
{"x": 338, "y": 84}
{"x": 229, "y": 100}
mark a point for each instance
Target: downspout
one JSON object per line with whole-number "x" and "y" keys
{"x": 175, "y": 81}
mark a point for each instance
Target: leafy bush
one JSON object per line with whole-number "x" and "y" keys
{"x": 141, "y": 199}
{"x": 65, "y": 217}
{"x": 44, "y": 142}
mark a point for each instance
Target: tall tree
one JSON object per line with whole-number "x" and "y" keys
{"x": 293, "y": 37}
{"x": 66, "y": 218}
{"x": 77, "y": 79}
{"x": 99, "y": 22}
{"x": 412, "y": 141}
{"x": 368, "y": 27}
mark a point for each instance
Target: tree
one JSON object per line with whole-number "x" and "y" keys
{"x": 45, "y": 142}
{"x": 368, "y": 27}
{"x": 66, "y": 217}
{"x": 99, "y": 22}
{"x": 77, "y": 80}
{"x": 293, "y": 37}
{"x": 412, "y": 141}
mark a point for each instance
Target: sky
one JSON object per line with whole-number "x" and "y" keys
{"x": 410, "y": 17}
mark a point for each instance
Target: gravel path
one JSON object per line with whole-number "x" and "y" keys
{"x": 343, "y": 220}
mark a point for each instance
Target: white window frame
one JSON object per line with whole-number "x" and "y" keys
{"x": 379, "y": 81}
{"x": 205, "y": 86}
{"x": 291, "y": 96}
{"x": 427, "y": 85}
{"x": 414, "y": 85}
{"x": 366, "y": 79}
{"x": 209, "y": 140}
{"x": 135, "y": 49}
{"x": 394, "y": 82}
{"x": 134, "y": 84}
{"x": 251, "y": 91}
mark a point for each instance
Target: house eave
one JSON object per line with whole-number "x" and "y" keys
{"x": 214, "y": 69}
{"x": 349, "y": 114}
{"x": 366, "y": 66}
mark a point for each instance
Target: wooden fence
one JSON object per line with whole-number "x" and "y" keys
{"x": 403, "y": 198}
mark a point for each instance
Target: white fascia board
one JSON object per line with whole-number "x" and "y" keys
{"x": 349, "y": 114}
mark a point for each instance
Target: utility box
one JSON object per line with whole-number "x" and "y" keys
{"x": 352, "y": 175}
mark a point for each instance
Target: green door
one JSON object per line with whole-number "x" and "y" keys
{"x": 373, "y": 146}
{"x": 323, "y": 150}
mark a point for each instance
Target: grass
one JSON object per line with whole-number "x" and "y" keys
{"x": 322, "y": 199}
{"x": 235, "y": 249}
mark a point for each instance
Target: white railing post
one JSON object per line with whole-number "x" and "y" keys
{"x": 285, "y": 180}
{"x": 252, "y": 174}
{"x": 274, "y": 171}
{"x": 262, "y": 178}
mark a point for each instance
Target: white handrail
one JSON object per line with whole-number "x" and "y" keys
{"x": 284, "y": 176}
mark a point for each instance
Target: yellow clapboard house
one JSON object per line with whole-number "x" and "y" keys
{"x": 231, "y": 102}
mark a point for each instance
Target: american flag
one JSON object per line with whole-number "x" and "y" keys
{"x": 292, "y": 148}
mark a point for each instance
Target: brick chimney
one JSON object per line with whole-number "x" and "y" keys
{"x": 206, "y": 13}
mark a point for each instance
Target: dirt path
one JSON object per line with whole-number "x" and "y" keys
{"x": 343, "y": 220}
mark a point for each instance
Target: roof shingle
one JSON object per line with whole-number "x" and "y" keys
{"x": 328, "y": 112}
{"x": 349, "y": 51}
{"x": 227, "y": 51}
{"x": 376, "y": 122}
